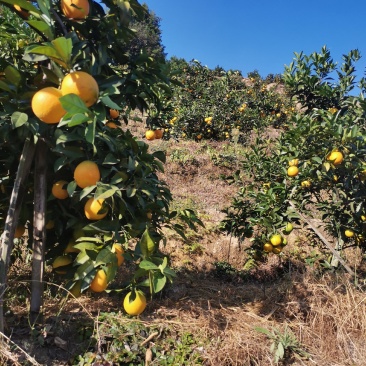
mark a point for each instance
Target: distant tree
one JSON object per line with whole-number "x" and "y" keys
{"x": 148, "y": 37}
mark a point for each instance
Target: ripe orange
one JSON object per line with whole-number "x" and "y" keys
{"x": 59, "y": 191}
{"x": 83, "y": 85}
{"x": 46, "y": 105}
{"x": 158, "y": 134}
{"x": 75, "y": 9}
{"x": 293, "y": 171}
{"x": 137, "y": 306}
{"x": 99, "y": 282}
{"x": 150, "y": 135}
{"x": 268, "y": 247}
{"x": 61, "y": 261}
{"x": 293, "y": 162}
{"x": 111, "y": 124}
{"x": 336, "y": 157}
{"x": 276, "y": 239}
{"x": 114, "y": 113}
{"x": 19, "y": 231}
{"x": 93, "y": 207}
{"x": 306, "y": 184}
{"x": 149, "y": 215}
{"x": 86, "y": 174}
{"x": 349, "y": 233}
{"x": 118, "y": 249}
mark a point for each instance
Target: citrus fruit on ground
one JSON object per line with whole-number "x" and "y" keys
{"x": 19, "y": 231}
{"x": 276, "y": 239}
{"x": 76, "y": 289}
{"x": 277, "y": 250}
{"x": 336, "y": 157}
{"x": 293, "y": 162}
{"x": 99, "y": 282}
{"x": 75, "y": 9}
{"x": 267, "y": 247}
{"x": 114, "y": 113}
{"x": 118, "y": 249}
{"x": 137, "y": 306}
{"x": 349, "y": 233}
{"x": 111, "y": 124}
{"x": 158, "y": 134}
{"x": 284, "y": 242}
{"x": 150, "y": 135}
{"x": 306, "y": 184}
{"x": 83, "y": 85}
{"x": 46, "y": 105}
{"x": 95, "y": 209}
{"x": 293, "y": 171}
{"x": 59, "y": 190}
{"x": 61, "y": 261}
{"x": 86, "y": 174}
{"x": 70, "y": 248}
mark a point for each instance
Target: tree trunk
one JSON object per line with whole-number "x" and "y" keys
{"x": 39, "y": 236}
{"x": 11, "y": 221}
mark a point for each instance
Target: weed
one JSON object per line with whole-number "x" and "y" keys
{"x": 284, "y": 345}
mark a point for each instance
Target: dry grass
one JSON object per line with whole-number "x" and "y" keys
{"x": 326, "y": 312}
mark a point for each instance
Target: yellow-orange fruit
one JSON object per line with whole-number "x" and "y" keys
{"x": 158, "y": 134}
{"x": 336, "y": 157}
{"x": 46, "y": 105}
{"x": 75, "y": 9}
{"x": 99, "y": 282}
{"x": 293, "y": 171}
{"x": 118, "y": 249}
{"x": 114, "y": 113}
{"x": 93, "y": 209}
{"x": 150, "y": 135}
{"x": 86, "y": 174}
{"x": 59, "y": 190}
{"x": 83, "y": 85}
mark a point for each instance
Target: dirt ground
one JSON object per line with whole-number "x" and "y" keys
{"x": 326, "y": 313}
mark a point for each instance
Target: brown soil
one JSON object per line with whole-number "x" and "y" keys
{"x": 326, "y": 313}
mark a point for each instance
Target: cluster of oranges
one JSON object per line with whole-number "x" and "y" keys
{"x": 154, "y": 134}
{"x": 46, "y": 103}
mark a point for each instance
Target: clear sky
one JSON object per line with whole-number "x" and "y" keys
{"x": 260, "y": 35}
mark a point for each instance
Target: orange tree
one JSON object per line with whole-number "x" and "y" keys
{"x": 316, "y": 165}
{"x": 56, "y": 106}
{"x": 209, "y": 104}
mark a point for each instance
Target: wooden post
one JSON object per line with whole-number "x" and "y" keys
{"x": 12, "y": 219}
{"x": 39, "y": 237}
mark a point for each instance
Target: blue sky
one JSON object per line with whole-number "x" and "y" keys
{"x": 260, "y": 35}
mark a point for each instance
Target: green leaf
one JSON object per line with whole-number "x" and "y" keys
{"x": 19, "y": 119}
{"x": 85, "y": 269}
{"x": 105, "y": 190}
{"x": 90, "y": 132}
{"x": 105, "y": 256}
{"x": 5, "y": 86}
{"x": 147, "y": 244}
{"x": 280, "y": 352}
{"x": 78, "y": 119}
{"x": 147, "y": 265}
{"x": 13, "y": 75}
{"x": 109, "y": 103}
{"x": 42, "y": 27}
{"x": 73, "y": 104}
{"x": 159, "y": 282}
